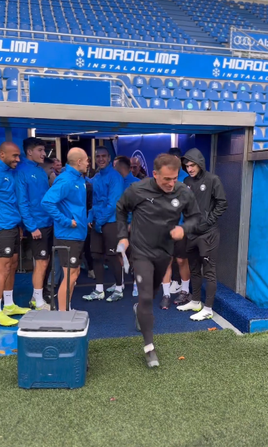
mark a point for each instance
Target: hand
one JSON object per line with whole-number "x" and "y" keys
{"x": 90, "y": 225}
{"x": 74, "y": 224}
{"x": 36, "y": 234}
{"x": 124, "y": 242}
{"x": 177, "y": 233}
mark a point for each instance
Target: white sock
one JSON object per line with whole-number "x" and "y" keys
{"x": 148, "y": 348}
{"x": 70, "y": 306}
{"x": 166, "y": 289}
{"x": 208, "y": 309}
{"x": 38, "y": 297}
{"x": 119, "y": 289}
{"x": 185, "y": 286}
{"x": 99, "y": 287}
{"x": 134, "y": 284}
{"x": 8, "y": 297}
{"x": 195, "y": 302}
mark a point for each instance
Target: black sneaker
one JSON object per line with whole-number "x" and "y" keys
{"x": 151, "y": 359}
{"x": 182, "y": 298}
{"x": 165, "y": 302}
{"x": 137, "y": 324}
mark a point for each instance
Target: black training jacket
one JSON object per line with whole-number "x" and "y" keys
{"x": 208, "y": 191}
{"x": 155, "y": 213}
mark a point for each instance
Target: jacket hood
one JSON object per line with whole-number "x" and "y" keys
{"x": 195, "y": 156}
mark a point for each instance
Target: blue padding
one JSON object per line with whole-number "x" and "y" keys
{"x": 257, "y": 278}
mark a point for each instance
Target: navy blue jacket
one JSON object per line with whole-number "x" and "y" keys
{"x": 66, "y": 201}
{"x": 108, "y": 187}
{"x": 9, "y": 215}
{"x": 31, "y": 186}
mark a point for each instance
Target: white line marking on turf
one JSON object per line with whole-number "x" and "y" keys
{"x": 224, "y": 323}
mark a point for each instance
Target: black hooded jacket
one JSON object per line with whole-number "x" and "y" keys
{"x": 208, "y": 191}
{"x": 155, "y": 214}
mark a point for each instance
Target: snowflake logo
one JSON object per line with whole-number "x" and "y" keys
{"x": 80, "y": 62}
{"x": 216, "y": 72}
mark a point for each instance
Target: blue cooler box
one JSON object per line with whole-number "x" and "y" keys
{"x": 53, "y": 349}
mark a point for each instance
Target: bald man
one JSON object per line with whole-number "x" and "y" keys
{"x": 9, "y": 233}
{"x": 65, "y": 202}
{"x": 31, "y": 186}
{"x": 136, "y": 168}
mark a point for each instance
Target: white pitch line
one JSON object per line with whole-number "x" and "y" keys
{"x": 224, "y": 323}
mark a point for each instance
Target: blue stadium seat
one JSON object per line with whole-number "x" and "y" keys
{"x": 191, "y": 104}
{"x": 256, "y": 107}
{"x": 142, "y": 102}
{"x": 230, "y": 86}
{"x": 243, "y": 87}
{"x": 258, "y": 96}
{"x": 12, "y": 95}
{"x": 186, "y": 84}
{"x": 258, "y": 121}
{"x": 225, "y": 106}
{"x": 257, "y": 147}
{"x": 227, "y": 95}
{"x": 212, "y": 95}
{"x": 157, "y": 103}
{"x": 31, "y": 71}
{"x": 10, "y": 72}
{"x": 1, "y": 96}
{"x": 207, "y": 104}
{"x": 12, "y": 84}
{"x": 264, "y": 146}
{"x": 163, "y": 93}
{"x": 139, "y": 81}
{"x": 243, "y": 95}
{"x": 171, "y": 83}
{"x": 147, "y": 92}
{"x": 200, "y": 85}
{"x": 89, "y": 74}
{"x": 52, "y": 72}
{"x": 70, "y": 73}
{"x": 155, "y": 82}
{"x": 125, "y": 79}
{"x": 257, "y": 88}
{"x": 180, "y": 93}
{"x": 196, "y": 94}
{"x": 174, "y": 104}
{"x": 135, "y": 92}
{"x": 257, "y": 134}
{"x": 215, "y": 85}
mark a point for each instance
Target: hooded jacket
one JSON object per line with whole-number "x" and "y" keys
{"x": 66, "y": 201}
{"x": 31, "y": 186}
{"x": 108, "y": 186}
{"x": 208, "y": 191}
{"x": 9, "y": 216}
{"x": 154, "y": 214}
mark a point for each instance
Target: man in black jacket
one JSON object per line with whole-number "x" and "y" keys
{"x": 203, "y": 242}
{"x": 156, "y": 205}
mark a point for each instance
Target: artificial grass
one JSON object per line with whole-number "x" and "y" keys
{"x": 217, "y": 397}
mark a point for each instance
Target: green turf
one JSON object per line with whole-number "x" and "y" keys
{"x": 216, "y": 397}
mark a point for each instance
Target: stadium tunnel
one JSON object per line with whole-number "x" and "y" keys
{"x": 225, "y": 139}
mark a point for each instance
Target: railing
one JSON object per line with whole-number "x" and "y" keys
{"x": 121, "y": 96}
{"x": 248, "y": 42}
{"x": 87, "y": 39}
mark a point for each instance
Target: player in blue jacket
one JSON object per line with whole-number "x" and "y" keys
{"x": 10, "y": 220}
{"x": 108, "y": 187}
{"x": 65, "y": 202}
{"x": 171, "y": 286}
{"x": 31, "y": 186}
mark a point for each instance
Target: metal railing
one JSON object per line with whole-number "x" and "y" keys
{"x": 121, "y": 96}
{"x": 251, "y": 42}
{"x": 85, "y": 39}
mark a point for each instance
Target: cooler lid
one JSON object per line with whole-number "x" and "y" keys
{"x": 47, "y": 321}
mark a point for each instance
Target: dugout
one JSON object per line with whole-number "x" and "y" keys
{"x": 224, "y": 138}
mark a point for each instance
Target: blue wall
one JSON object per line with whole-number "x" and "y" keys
{"x": 257, "y": 278}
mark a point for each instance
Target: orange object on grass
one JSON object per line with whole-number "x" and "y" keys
{"x": 181, "y": 358}
{"x": 212, "y": 329}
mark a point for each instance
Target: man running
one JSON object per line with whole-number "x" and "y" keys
{"x": 9, "y": 233}
{"x": 203, "y": 242}
{"x": 156, "y": 204}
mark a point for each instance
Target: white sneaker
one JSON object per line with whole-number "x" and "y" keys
{"x": 112, "y": 288}
{"x": 175, "y": 287}
{"x": 202, "y": 315}
{"x": 135, "y": 290}
{"x": 190, "y": 306}
{"x": 44, "y": 306}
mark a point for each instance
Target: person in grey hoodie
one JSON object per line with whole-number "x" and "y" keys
{"x": 203, "y": 242}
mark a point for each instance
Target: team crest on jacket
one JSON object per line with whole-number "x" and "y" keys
{"x": 175, "y": 203}
{"x": 203, "y": 187}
